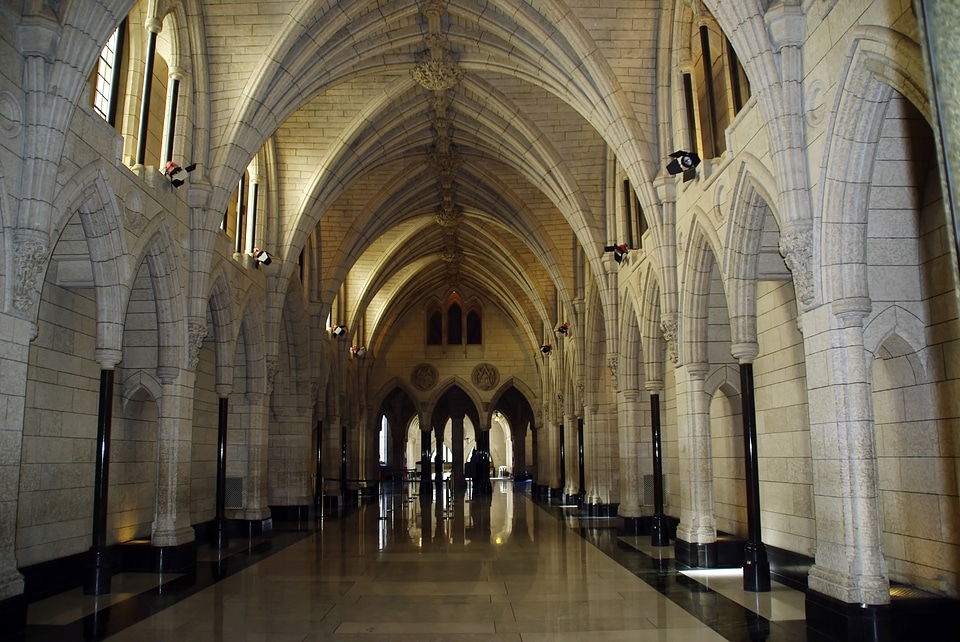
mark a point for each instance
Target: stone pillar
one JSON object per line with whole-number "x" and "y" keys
{"x": 582, "y": 493}
{"x": 456, "y": 445}
{"x": 171, "y": 524}
{"x": 571, "y": 447}
{"x": 697, "y": 532}
{"x": 318, "y": 475}
{"x": 15, "y": 337}
{"x": 331, "y": 456}
{"x": 940, "y": 22}
{"x": 630, "y": 446}
{"x": 438, "y": 464}
{"x": 425, "y": 453}
{"x": 481, "y": 481}
{"x": 850, "y": 568}
{"x": 256, "y": 509}
{"x": 520, "y": 452}
{"x": 97, "y": 572}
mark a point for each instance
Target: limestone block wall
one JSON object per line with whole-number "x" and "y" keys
{"x": 60, "y": 429}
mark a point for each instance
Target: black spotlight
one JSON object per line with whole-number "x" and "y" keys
{"x": 619, "y": 251}
{"x": 338, "y": 331}
{"x": 683, "y": 163}
{"x": 563, "y": 329}
{"x": 546, "y": 348}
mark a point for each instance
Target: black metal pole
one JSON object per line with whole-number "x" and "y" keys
{"x": 97, "y": 580}
{"x": 220, "y": 538}
{"x": 756, "y": 566}
{"x": 438, "y": 471}
{"x": 563, "y": 461}
{"x": 425, "y": 456}
{"x": 343, "y": 460}
{"x": 659, "y": 535}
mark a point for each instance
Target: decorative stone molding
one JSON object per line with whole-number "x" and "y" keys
{"x": 668, "y": 326}
{"x": 581, "y": 393}
{"x": 30, "y": 256}
{"x": 437, "y": 75}
{"x": 133, "y": 212}
{"x": 485, "y": 376}
{"x": 613, "y": 362}
{"x": 450, "y": 255}
{"x": 273, "y": 369}
{"x": 448, "y": 215}
{"x": 197, "y": 332}
{"x": 424, "y": 376}
{"x": 11, "y": 116}
{"x": 795, "y": 248}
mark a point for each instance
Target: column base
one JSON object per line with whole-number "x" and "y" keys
{"x": 830, "y": 620}
{"x": 175, "y": 559}
{"x": 13, "y": 616}
{"x": 600, "y": 510}
{"x": 297, "y": 513}
{"x": 756, "y": 568}
{"x": 659, "y": 531}
{"x": 695, "y": 555}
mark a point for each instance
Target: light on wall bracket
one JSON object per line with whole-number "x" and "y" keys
{"x": 546, "y": 348}
{"x": 338, "y": 331}
{"x": 619, "y": 251}
{"x": 683, "y": 163}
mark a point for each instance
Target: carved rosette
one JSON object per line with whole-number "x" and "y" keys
{"x": 613, "y": 362}
{"x": 450, "y": 255}
{"x": 273, "y": 369}
{"x": 437, "y": 75}
{"x": 448, "y": 215}
{"x": 30, "y": 258}
{"x": 197, "y": 333}
{"x": 668, "y": 326}
{"x": 795, "y": 248}
{"x": 485, "y": 376}
{"x": 424, "y": 377}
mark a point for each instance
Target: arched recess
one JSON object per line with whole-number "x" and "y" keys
{"x": 454, "y": 404}
{"x": 726, "y": 450}
{"x": 515, "y": 406}
{"x": 705, "y": 330}
{"x": 107, "y": 265}
{"x": 870, "y": 81}
{"x": 399, "y": 408}
{"x": 164, "y": 265}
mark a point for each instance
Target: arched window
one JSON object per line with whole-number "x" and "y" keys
{"x": 434, "y": 328}
{"x": 454, "y": 325}
{"x": 474, "y": 328}
{"x": 107, "y": 79}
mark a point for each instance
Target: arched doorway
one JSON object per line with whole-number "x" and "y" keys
{"x": 454, "y": 406}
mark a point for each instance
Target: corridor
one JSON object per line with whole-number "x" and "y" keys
{"x": 409, "y": 567}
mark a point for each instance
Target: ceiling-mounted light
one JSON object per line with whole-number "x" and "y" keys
{"x": 546, "y": 348}
{"x": 338, "y": 331}
{"x": 685, "y": 163}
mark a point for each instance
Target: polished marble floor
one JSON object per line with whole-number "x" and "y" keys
{"x": 423, "y": 567}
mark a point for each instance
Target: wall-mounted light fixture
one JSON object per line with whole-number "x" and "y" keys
{"x": 683, "y": 163}
{"x": 619, "y": 251}
{"x": 338, "y": 331}
{"x": 261, "y": 256}
{"x": 358, "y": 351}
{"x": 546, "y": 348}
{"x": 171, "y": 169}
{"x": 563, "y": 329}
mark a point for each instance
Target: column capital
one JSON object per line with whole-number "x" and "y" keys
{"x": 223, "y": 390}
{"x": 745, "y": 352}
{"x": 108, "y": 358}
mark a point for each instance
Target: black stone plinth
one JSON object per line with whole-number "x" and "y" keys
{"x": 830, "y": 620}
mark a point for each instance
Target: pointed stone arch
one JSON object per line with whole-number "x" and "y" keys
{"x": 701, "y": 259}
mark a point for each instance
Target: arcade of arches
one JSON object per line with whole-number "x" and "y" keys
{"x": 260, "y": 256}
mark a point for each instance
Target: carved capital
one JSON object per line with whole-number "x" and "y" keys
{"x": 273, "y": 369}
{"x": 668, "y": 326}
{"x": 796, "y": 250}
{"x": 30, "y": 256}
{"x": 197, "y": 331}
{"x": 613, "y": 362}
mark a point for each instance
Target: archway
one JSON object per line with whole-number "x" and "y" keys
{"x": 516, "y": 408}
{"x": 454, "y": 405}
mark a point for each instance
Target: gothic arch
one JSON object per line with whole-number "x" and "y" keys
{"x": 865, "y": 91}
{"x": 701, "y": 257}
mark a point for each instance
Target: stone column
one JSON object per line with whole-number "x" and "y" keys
{"x": 481, "y": 482}
{"x": 318, "y": 475}
{"x": 331, "y": 456}
{"x": 571, "y": 447}
{"x": 849, "y": 563}
{"x": 438, "y": 464}
{"x": 15, "y": 337}
{"x": 425, "y": 453}
{"x": 940, "y": 22}
{"x": 697, "y": 532}
{"x": 256, "y": 509}
{"x": 171, "y": 524}
{"x": 97, "y": 572}
{"x": 520, "y": 452}
{"x": 456, "y": 445}
{"x": 630, "y": 482}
